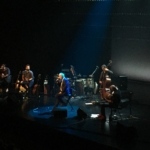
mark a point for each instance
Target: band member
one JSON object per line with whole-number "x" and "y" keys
{"x": 64, "y": 89}
{"x": 104, "y": 80}
{"x": 27, "y": 78}
{"x": 113, "y": 97}
{"x": 73, "y": 72}
{"x": 5, "y": 78}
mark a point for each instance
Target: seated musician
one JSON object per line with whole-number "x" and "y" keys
{"x": 27, "y": 79}
{"x": 5, "y": 78}
{"x": 64, "y": 90}
{"x": 112, "y": 98}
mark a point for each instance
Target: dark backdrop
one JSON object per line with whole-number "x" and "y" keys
{"x": 47, "y": 34}
{"x": 43, "y": 33}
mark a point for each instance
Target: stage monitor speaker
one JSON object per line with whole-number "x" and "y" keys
{"x": 60, "y": 113}
{"x": 123, "y": 83}
{"x": 81, "y": 114}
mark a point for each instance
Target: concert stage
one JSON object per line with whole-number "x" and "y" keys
{"x": 28, "y": 124}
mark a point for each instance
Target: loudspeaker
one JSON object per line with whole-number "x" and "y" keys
{"x": 60, "y": 113}
{"x": 123, "y": 83}
{"x": 81, "y": 114}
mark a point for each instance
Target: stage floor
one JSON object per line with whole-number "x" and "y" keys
{"x": 131, "y": 130}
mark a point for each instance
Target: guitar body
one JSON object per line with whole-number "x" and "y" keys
{"x": 22, "y": 89}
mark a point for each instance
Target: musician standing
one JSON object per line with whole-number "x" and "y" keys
{"x": 27, "y": 78}
{"x": 5, "y": 78}
{"x": 104, "y": 80}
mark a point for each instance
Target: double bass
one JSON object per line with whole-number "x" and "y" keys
{"x": 106, "y": 81}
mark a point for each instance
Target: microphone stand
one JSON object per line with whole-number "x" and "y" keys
{"x": 93, "y": 79}
{"x": 94, "y": 72}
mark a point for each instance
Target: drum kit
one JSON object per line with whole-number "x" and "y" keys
{"x": 84, "y": 86}
{"x": 81, "y": 86}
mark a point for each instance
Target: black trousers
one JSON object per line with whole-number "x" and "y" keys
{"x": 59, "y": 98}
{"x": 4, "y": 84}
{"x": 102, "y": 107}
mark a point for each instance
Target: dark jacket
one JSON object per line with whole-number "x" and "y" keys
{"x": 65, "y": 87}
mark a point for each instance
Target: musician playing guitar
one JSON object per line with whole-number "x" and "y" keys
{"x": 5, "y": 78}
{"x": 27, "y": 78}
{"x": 105, "y": 80}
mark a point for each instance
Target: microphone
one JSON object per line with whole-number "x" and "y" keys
{"x": 94, "y": 72}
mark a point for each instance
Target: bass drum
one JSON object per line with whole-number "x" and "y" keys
{"x": 95, "y": 88}
{"x": 90, "y": 83}
{"x": 83, "y": 80}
